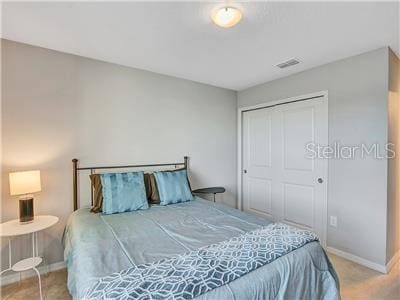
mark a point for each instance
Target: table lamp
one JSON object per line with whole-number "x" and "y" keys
{"x": 24, "y": 184}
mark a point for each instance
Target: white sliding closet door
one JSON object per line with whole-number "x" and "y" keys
{"x": 279, "y": 181}
{"x": 258, "y": 172}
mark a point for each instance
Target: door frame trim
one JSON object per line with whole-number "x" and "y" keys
{"x": 241, "y": 110}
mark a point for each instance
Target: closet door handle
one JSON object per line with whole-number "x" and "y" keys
{"x": 245, "y": 171}
{"x": 320, "y": 180}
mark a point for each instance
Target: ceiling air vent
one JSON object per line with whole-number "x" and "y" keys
{"x": 288, "y": 63}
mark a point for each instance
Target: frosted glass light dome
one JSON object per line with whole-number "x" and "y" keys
{"x": 226, "y": 16}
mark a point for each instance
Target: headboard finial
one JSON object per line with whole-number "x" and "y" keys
{"x": 75, "y": 182}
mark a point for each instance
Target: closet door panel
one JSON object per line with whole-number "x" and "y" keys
{"x": 301, "y": 180}
{"x": 257, "y": 161}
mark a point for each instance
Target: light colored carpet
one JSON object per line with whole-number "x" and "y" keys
{"x": 356, "y": 282}
{"x": 360, "y": 283}
{"x": 54, "y": 287}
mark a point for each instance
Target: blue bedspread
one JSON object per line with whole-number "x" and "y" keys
{"x": 192, "y": 274}
{"x": 98, "y": 245}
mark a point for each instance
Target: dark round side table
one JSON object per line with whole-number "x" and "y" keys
{"x": 210, "y": 190}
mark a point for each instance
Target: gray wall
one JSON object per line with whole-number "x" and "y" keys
{"x": 57, "y": 106}
{"x": 393, "y": 209}
{"x": 357, "y": 189}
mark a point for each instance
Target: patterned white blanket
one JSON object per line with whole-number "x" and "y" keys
{"x": 194, "y": 273}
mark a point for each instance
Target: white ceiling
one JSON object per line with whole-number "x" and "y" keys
{"x": 179, "y": 39}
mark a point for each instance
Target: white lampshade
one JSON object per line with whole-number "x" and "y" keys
{"x": 27, "y": 182}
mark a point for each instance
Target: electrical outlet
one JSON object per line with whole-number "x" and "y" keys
{"x": 333, "y": 221}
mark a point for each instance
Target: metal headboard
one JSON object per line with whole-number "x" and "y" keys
{"x": 76, "y": 169}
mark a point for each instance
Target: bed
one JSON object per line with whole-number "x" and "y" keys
{"x": 98, "y": 245}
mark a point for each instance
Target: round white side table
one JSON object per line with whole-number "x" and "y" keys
{"x": 15, "y": 228}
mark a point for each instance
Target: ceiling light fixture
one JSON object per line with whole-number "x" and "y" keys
{"x": 226, "y": 16}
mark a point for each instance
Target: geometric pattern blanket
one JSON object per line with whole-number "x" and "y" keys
{"x": 196, "y": 272}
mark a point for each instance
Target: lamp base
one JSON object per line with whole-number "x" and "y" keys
{"x": 26, "y": 210}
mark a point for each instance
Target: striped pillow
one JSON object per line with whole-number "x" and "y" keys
{"x": 173, "y": 187}
{"x": 123, "y": 192}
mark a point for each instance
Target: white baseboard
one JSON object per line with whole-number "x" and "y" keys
{"x": 15, "y": 276}
{"x": 393, "y": 261}
{"x": 359, "y": 260}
